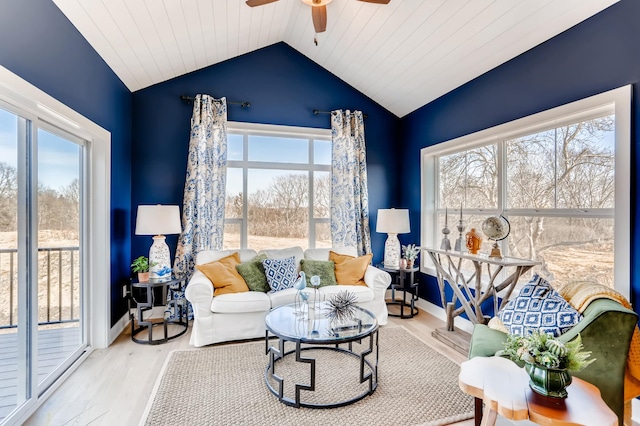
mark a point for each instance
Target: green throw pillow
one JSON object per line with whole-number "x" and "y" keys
{"x": 253, "y": 274}
{"x": 324, "y": 269}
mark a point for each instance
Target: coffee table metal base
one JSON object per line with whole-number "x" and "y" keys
{"x": 368, "y": 370}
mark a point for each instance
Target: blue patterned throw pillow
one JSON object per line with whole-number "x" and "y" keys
{"x": 538, "y": 307}
{"x": 281, "y": 273}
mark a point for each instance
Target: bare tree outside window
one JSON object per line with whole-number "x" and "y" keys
{"x": 559, "y": 189}
{"x": 287, "y": 201}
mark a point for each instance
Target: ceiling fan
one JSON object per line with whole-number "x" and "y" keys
{"x": 318, "y": 10}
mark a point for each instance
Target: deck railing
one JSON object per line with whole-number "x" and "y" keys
{"x": 58, "y": 286}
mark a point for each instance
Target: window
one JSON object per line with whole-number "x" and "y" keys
{"x": 561, "y": 178}
{"x": 285, "y": 173}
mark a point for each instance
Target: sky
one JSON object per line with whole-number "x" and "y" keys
{"x": 58, "y": 159}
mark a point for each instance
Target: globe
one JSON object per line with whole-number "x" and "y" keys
{"x": 496, "y": 228}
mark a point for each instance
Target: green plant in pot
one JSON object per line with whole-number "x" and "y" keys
{"x": 547, "y": 360}
{"x": 141, "y": 266}
{"x": 410, "y": 252}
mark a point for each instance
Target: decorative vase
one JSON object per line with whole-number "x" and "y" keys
{"x": 410, "y": 263}
{"x": 548, "y": 381}
{"x": 143, "y": 277}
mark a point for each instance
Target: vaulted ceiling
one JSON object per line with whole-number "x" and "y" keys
{"x": 402, "y": 55}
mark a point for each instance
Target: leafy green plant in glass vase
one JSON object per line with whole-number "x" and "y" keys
{"x": 547, "y": 360}
{"x": 410, "y": 252}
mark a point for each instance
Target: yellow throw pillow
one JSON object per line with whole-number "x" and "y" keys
{"x": 224, "y": 276}
{"x": 350, "y": 270}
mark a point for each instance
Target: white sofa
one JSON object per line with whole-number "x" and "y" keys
{"x": 239, "y": 316}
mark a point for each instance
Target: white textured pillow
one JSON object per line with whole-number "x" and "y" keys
{"x": 208, "y": 256}
{"x": 323, "y": 253}
{"x": 296, "y": 252}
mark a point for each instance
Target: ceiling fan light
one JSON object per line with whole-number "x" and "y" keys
{"x": 316, "y": 3}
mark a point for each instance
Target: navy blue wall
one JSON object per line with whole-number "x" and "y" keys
{"x": 284, "y": 87}
{"x": 38, "y": 43}
{"x": 599, "y": 54}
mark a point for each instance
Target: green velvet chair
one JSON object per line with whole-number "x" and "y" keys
{"x": 606, "y": 331}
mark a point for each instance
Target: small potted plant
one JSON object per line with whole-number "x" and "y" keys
{"x": 547, "y": 360}
{"x": 410, "y": 252}
{"x": 141, "y": 267}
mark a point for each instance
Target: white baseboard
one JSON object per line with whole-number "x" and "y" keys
{"x": 635, "y": 411}
{"x": 118, "y": 327}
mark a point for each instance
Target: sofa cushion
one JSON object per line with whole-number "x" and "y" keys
{"x": 283, "y": 297}
{"x": 224, "y": 276}
{"x": 323, "y": 253}
{"x": 363, "y": 293}
{"x": 207, "y": 256}
{"x": 323, "y": 269}
{"x": 296, "y": 252}
{"x": 253, "y": 274}
{"x": 350, "y": 270}
{"x": 234, "y": 303}
{"x": 486, "y": 341}
{"x": 538, "y": 307}
{"x": 281, "y": 273}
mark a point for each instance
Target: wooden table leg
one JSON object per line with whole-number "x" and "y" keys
{"x": 489, "y": 418}
{"x": 478, "y": 411}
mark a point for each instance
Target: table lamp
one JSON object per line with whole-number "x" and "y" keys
{"x": 392, "y": 222}
{"x": 158, "y": 220}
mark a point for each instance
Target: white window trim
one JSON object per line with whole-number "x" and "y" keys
{"x": 257, "y": 129}
{"x": 33, "y": 102}
{"x": 619, "y": 99}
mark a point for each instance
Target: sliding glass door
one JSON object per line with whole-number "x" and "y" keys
{"x": 42, "y": 330}
{"x": 60, "y": 253}
{"x": 14, "y": 336}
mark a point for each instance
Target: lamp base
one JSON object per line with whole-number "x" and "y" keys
{"x": 392, "y": 252}
{"x": 159, "y": 260}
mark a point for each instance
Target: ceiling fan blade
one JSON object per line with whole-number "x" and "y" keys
{"x": 377, "y": 1}
{"x": 254, "y": 3}
{"x": 319, "y": 15}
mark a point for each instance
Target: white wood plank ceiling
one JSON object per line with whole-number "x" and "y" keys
{"x": 402, "y": 55}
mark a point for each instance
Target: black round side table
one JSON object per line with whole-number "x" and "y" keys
{"x": 148, "y": 290}
{"x": 403, "y": 280}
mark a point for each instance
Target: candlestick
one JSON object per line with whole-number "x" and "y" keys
{"x": 460, "y": 242}
{"x": 445, "y": 244}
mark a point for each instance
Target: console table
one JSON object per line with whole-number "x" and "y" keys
{"x": 449, "y": 271}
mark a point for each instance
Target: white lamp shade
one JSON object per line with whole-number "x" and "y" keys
{"x": 393, "y": 221}
{"x": 158, "y": 220}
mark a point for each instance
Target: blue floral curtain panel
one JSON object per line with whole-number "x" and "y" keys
{"x": 205, "y": 184}
{"x": 349, "y": 193}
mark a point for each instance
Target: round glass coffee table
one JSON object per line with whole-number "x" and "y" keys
{"x": 306, "y": 337}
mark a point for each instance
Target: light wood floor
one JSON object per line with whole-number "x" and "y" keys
{"x": 113, "y": 385}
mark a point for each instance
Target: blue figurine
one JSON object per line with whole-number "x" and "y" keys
{"x": 301, "y": 283}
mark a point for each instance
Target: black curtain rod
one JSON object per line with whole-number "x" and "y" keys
{"x": 190, "y": 99}
{"x": 317, "y": 111}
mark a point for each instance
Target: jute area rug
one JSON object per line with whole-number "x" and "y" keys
{"x": 225, "y": 385}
